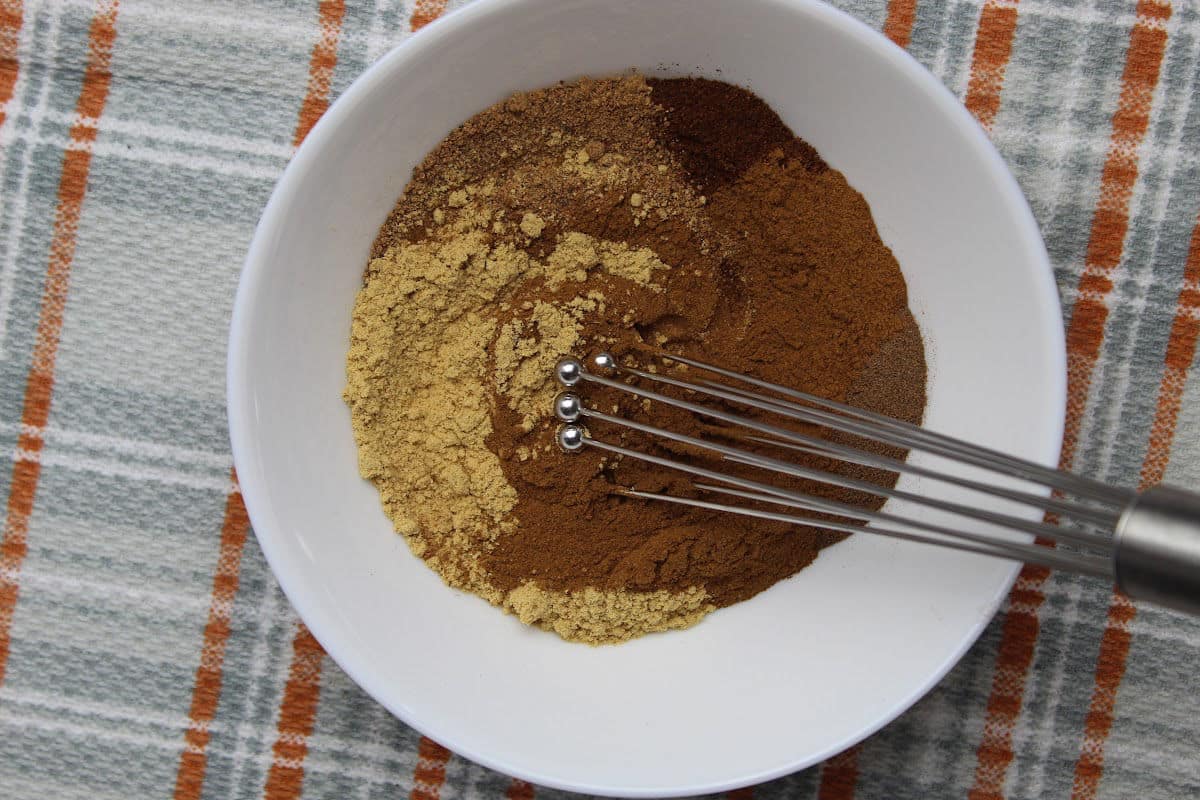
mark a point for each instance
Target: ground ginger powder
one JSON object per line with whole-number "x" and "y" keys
{"x": 419, "y": 340}
{"x": 426, "y": 342}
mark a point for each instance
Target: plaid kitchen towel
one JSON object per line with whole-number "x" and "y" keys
{"x": 146, "y": 651}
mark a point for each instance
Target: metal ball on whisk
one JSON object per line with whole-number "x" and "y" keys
{"x": 569, "y": 371}
{"x": 570, "y": 438}
{"x": 605, "y": 361}
{"x": 568, "y": 407}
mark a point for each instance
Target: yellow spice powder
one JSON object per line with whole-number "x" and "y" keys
{"x": 425, "y": 338}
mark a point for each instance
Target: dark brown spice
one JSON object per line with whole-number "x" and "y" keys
{"x": 720, "y": 130}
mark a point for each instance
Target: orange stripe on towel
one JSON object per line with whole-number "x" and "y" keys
{"x": 1115, "y": 643}
{"x": 302, "y": 692}
{"x": 425, "y": 12}
{"x": 901, "y": 15}
{"x": 330, "y": 14}
{"x": 39, "y": 382}
{"x": 519, "y": 790}
{"x": 429, "y": 775}
{"x": 1085, "y": 334}
{"x": 297, "y": 715}
{"x": 206, "y": 692}
{"x": 839, "y": 775}
{"x": 993, "y": 48}
{"x": 12, "y": 15}
{"x": 286, "y": 771}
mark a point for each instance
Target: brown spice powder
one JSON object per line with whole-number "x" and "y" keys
{"x": 723, "y": 236}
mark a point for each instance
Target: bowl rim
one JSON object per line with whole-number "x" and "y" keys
{"x": 239, "y": 395}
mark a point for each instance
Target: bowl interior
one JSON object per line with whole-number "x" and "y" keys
{"x": 756, "y": 690}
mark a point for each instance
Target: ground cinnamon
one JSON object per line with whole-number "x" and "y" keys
{"x": 753, "y": 252}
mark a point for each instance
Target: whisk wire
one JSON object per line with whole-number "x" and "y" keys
{"x": 868, "y": 430}
{"x": 974, "y": 454}
{"x": 1031, "y": 554}
{"x": 1053, "y": 532}
{"x": 1049, "y": 504}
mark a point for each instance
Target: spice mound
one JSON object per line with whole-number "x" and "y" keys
{"x": 614, "y": 214}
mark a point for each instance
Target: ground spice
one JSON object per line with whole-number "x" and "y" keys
{"x": 610, "y": 214}
{"x": 424, "y": 325}
{"x": 719, "y": 130}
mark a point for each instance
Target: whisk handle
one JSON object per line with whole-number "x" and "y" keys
{"x": 1157, "y": 549}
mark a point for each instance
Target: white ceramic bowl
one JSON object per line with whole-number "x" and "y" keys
{"x": 757, "y": 690}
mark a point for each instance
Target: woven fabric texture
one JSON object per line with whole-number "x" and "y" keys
{"x": 145, "y": 649}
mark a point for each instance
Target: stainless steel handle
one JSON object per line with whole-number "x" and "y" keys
{"x": 1157, "y": 548}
